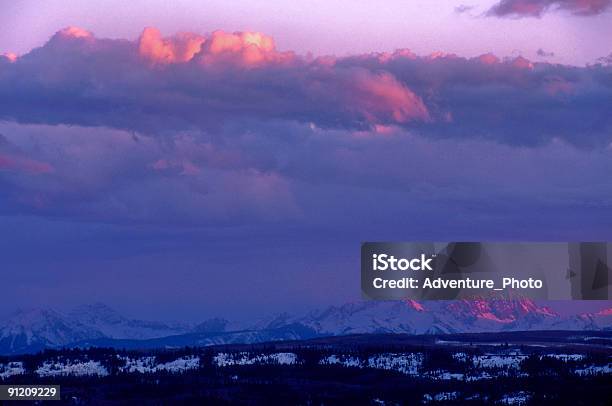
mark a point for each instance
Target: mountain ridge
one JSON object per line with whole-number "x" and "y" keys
{"x": 99, "y": 325}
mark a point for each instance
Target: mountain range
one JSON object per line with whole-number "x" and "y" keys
{"x": 98, "y": 325}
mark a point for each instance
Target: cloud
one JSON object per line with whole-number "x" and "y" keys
{"x": 8, "y": 57}
{"x": 17, "y": 163}
{"x": 14, "y": 160}
{"x": 291, "y": 176}
{"x": 463, "y": 8}
{"x": 224, "y": 130}
{"x": 245, "y": 49}
{"x": 106, "y": 175}
{"x": 505, "y": 100}
{"x": 180, "y": 48}
{"x": 605, "y": 60}
{"x": 160, "y": 85}
{"x": 75, "y": 32}
{"x": 544, "y": 54}
{"x": 188, "y": 81}
{"x": 536, "y": 8}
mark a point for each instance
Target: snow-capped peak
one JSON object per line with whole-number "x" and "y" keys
{"x": 113, "y": 325}
{"x": 500, "y": 309}
{"x": 36, "y": 329}
{"x": 43, "y": 327}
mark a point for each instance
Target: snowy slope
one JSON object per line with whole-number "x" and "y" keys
{"x": 601, "y": 320}
{"x": 113, "y": 325}
{"x": 35, "y": 329}
{"x": 371, "y": 317}
{"x": 98, "y": 325}
{"x": 439, "y": 317}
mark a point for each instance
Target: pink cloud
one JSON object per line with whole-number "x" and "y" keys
{"x": 22, "y": 164}
{"x": 209, "y": 82}
{"x": 247, "y": 49}
{"x": 522, "y": 63}
{"x": 488, "y": 59}
{"x": 441, "y": 55}
{"x": 182, "y": 166}
{"x": 380, "y": 95}
{"x": 277, "y": 83}
{"x": 9, "y": 56}
{"x": 179, "y": 48}
{"x": 75, "y": 32}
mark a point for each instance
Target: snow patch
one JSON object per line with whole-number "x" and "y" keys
{"x": 498, "y": 361}
{"x": 440, "y": 397}
{"x": 405, "y": 363}
{"x": 408, "y": 363}
{"x": 11, "y": 369}
{"x": 74, "y": 368}
{"x": 567, "y": 357}
{"x": 244, "y": 358}
{"x": 149, "y": 365}
{"x": 595, "y": 370}
{"x": 517, "y": 398}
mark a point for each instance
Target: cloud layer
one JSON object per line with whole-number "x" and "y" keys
{"x": 224, "y": 129}
{"x": 196, "y": 82}
{"x": 536, "y": 8}
{"x": 188, "y": 81}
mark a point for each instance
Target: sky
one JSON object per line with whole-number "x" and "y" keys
{"x": 182, "y": 160}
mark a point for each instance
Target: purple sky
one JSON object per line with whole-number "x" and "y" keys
{"x": 331, "y": 27}
{"x": 215, "y": 173}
